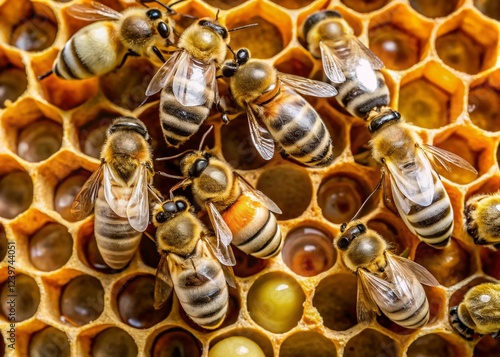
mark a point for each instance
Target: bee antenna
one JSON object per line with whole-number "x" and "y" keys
{"x": 164, "y": 174}
{"x": 175, "y": 156}
{"x": 243, "y": 27}
{"x": 204, "y": 137}
{"x": 217, "y": 15}
{"x": 370, "y": 196}
{"x": 176, "y": 186}
{"x": 153, "y": 192}
{"x": 149, "y": 236}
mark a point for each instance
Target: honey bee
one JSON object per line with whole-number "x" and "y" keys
{"x": 386, "y": 282}
{"x": 479, "y": 312}
{"x": 239, "y": 213}
{"x": 351, "y": 67}
{"x": 193, "y": 263}
{"x": 482, "y": 218}
{"x": 102, "y": 46}
{"x": 188, "y": 80}
{"x": 118, "y": 191}
{"x": 290, "y": 120}
{"x": 417, "y": 190}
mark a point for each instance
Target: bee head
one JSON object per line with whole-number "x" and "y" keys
{"x": 194, "y": 163}
{"x": 316, "y": 18}
{"x": 215, "y": 27}
{"x": 348, "y": 236}
{"x": 383, "y": 118}
{"x": 171, "y": 208}
{"x": 129, "y": 124}
{"x": 240, "y": 58}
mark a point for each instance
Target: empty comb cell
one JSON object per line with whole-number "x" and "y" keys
{"x": 50, "y": 247}
{"x": 13, "y": 83}
{"x": 433, "y": 9}
{"x": 370, "y": 342}
{"x": 434, "y": 345}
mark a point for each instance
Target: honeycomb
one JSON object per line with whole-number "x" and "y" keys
{"x": 442, "y": 71}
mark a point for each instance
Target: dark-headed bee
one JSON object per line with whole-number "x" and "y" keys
{"x": 102, "y": 46}
{"x": 386, "y": 282}
{"x": 417, "y": 190}
{"x": 118, "y": 191}
{"x": 479, "y": 312}
{"x": 192, "y": 262}
{"x": 351, "y": 67}
{"x": 482, "y": 218}
{"x": 271, "y": 97}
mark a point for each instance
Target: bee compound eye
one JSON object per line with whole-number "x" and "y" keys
{"x": 170, "y": 207}
{"x": 343, "y": 243}
{"x": 199, "y": 166}
{"x": 153, "y": 14}
{"x": 181, "y": 206}
{"x": 229, "y": 69}
{"x": 163, "y": 30}
{"x": 161, "y": 217}
{"x": 242, "y": 56}
{"x": 361, "y": 228}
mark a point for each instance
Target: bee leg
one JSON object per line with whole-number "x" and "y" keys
{"x": 461, "y": 328}
{"x": 159, "y": 54}
{"x": 129, "y": 53}
{"x": 44, "y": 75}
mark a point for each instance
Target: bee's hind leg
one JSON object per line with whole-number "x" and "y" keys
{"x": 129, "y": 53}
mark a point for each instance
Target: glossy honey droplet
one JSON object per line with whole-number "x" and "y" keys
{"x": 397, "y": 48}
{"x": 236, "y": 346}
{"x": 114, "y": 342}
{"x": 490, "y": 8}
{"x": 39, "y": 140}
{"x": 50, "y": 247}
{"x": 16, "y": 194}
{"x": 35, "y": 33}
{"x": 66, "y": 192}
{"x": 3, "y": 242}
{"x": 136, "y": 303}
{"x": 176, "y": 342}
{"x": 308, "y": 251}
{"x": 434, "y": 8}
{"x": 460, "y": 51}
{"x": 27, "y": 298}
{"x": 275, "y": 302}
{"x": 49, "y": 342}
{"x": 484, "y": 107}
{"x": 13, "y": 83}
{"x": 82, "y": 300}
{"x": 365, "y": 5}
{"x": 424, "y": 104}
{"x": 340, "y": 197}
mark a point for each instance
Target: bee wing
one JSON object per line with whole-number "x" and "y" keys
{"x": 398, "y": 198}
{"x": 410, "y": 267}
{"x": 448, "y": 160}
{"x": 266, "y": 201}
{"x": 414, "y": 179}
{"x": 85, "y": 199}
{"x": 331, "y": 64}
{"x": 308, "y": 86}
{"x": 94, "y": 11}
{"x": 261, "y": 138}
{"x": 163, "y": 282}
{"x": 109, "y": 194}
{"x": 229, "y": 275}
{"x": 223, "y": 253}
{"x": 365, "y": 306}
{"x": 191, "y": 80}
{"x": 359, "y": 50}
{"x": 163, "y": 75}
{"x": 138, "y": 204}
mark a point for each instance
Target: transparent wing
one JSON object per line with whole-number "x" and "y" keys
{"x": 308, "y": 86}
{"x": 266, "y": 201}
{"x": 385, "y": 293}
{"x": 109, "y": 194}
{"x": 365, "y": 306}
{"x": 163, "y": 282}
{"x": 229, "y": 275}
{"x": 414, "y": 178}
{"x": 221, "y": 228}
{"x": 261, "y": 138}
{"x": 331, "y": 64}
{"x": 138, "y": 204}
{"x": 94, "y": 11}
{"x": 359, "y": 49}
{"x": 448, "y": 160}
{"x": 398, "y": 197}
{"x": 191, "y": 80}
{"x": 408, "y": 266}
{"x": 85, "y": 199}
{"x": 223, "y": 253}
{"x": 163, "y": 75}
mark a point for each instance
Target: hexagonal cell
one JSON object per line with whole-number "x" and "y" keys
{"x": 224, "y": 4}
{"x": 81, "y": 300}
{"x": 307, "y": 343}
{"x": 50, "y": 247}
{"x": 292, "y": 4}
{"x": 433, "y": 9}
{"x": 237, "y": 146}
{"x": 16, "y": 189}
{"x": 398, "y": 37}
{"x": 106, "y": 341}
{"x": 265, "y": 40}
{"x": 484, "y": 99}
{"x": 340, "y": 316}
{"x": 176, "y": 342}
{"x": 66, "y": 191}
{"x": 133, "y": 299}
{"x": 3, "y": 242}
{"x": 49, "y": 341}
{"x": 342, "y": 194}
{"x": 364, "y": 6}
{"x": 467, "y": 43}
{"x": 275, "y": 302}
{"x": 486, "y": 347}
{"x": 489, "y": 8}
{"x": 308, "y": 250}
{"x": 474, "y": 148}
{"x": 436, "y": 345}
{"x": 295, "y": 61}
{"x": 254, "y": 335}
{"x": 246, "y": 264}
{"x": 13, "y": 80}
{"x": 455, "y": 262}
{"x": 27, "y": 297}
{"x": 371, "y": 343}
{"x": 28, "y": 26}
{"x": 289, "y": 187}
{"x": 431, "y": 96}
